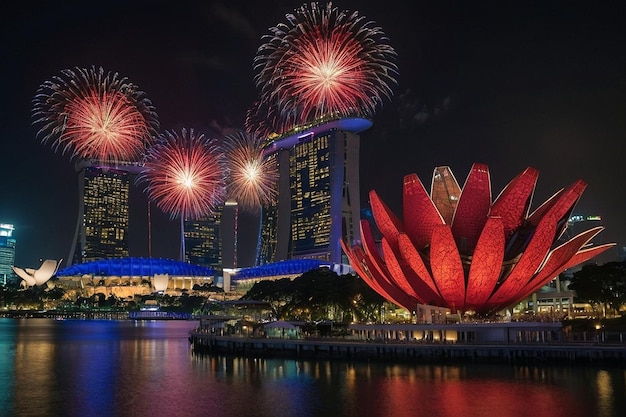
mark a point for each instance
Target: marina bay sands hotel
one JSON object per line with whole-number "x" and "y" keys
{"x": 318, "y": 203}
{"x": 318, "y": 198}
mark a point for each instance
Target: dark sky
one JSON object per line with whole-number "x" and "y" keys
{"x": 508, "y": 84}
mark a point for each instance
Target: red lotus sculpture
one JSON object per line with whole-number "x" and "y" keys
{"x": 457, "y": 249}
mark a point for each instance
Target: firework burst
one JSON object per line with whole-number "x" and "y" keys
{"x": 324, "y": 63}
{"x": 262, "y": 121}
{"x": 92, "y": 114}
{"x": 185, "y": 174}
{"x": 253, "y": 177}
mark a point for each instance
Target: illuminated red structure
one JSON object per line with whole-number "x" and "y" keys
{"x": 456, "y": 248}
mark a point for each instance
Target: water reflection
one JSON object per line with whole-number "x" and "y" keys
{"x": 125, "y": 368}
{"x": 605, "y": 392}
{"x": 335, "y": 388}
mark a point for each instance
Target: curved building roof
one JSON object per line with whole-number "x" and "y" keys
{"x": 289, "y": 267}
{"x": 135, "y": 267}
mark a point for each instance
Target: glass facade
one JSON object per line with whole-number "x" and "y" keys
{"x": 318, "y": 199}
{"x": 7, "y": 252}
{"x": 445, "y": 192}
{"x": 268, "y": 237}
{"x": 309, "y": 174}
{"x": 102, "y": 230}
{"x": 203, "y": 245}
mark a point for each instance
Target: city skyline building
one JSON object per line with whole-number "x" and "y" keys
{"x": 578, "y": 222}
{"x": 103, "y": 221}
{"x": 7, "y": 252}
{"x": 318, "y": 197}
{"x": 203, "y": 244}
{"x": 267, "y": 242}
{"x": 102, "y": 226}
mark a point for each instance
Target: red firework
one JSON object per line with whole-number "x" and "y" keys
{"x": 91, "y": 114}
{"x": 262, "y": 121}
{"x": 185, "y": 174}
{"x": 324, "y": 64}
{"x": 252, "y": 176}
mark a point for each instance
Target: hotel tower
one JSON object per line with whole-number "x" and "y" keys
{"x": 102, "y": 226}
{"x": 318, "y": 198}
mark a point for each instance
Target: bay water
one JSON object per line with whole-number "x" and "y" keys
{"x": 148, "y": 368}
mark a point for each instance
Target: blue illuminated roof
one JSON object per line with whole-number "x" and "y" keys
{"x": 289, "y": 267}
{"x": 135, "y": 267}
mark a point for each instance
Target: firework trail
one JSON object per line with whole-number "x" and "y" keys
{"x": 323, "y": 63}
{"x": 253, "y": 178}
{"x": 185, "y": 174}
{"x": 262, "y": 121}
{"x": 93, "y": 114}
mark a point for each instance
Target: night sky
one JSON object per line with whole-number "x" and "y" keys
{"x": 508, "y": 84}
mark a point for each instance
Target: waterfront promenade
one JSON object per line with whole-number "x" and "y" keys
{"x": 475, "y": 342}
{"x": 335, "y": 348}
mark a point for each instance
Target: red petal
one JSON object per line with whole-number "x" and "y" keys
{"x": 513, "y": 203}
{"x": 486, "y": 264}
{"x": 419, "y": 212}
{"x": 407, "y": 279}
{"x": 415, "y": 261}
{"x": 445, "y": 263}
{"x": 388, "y": 224}
{"x": 471, "y": 212}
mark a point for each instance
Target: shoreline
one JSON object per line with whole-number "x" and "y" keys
{"x": 99, "y": 315}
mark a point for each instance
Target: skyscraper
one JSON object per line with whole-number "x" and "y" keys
{"x": 103, "y": 212}
{"x": 321, "y": 76}
{"x": 319, "y": 198}
{"x": 268, "y": 236}
{"x": 203, "y": 245}
{"x": 7, "y": 252}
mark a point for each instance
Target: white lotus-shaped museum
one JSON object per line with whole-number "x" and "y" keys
{"x": 31, "y": 277}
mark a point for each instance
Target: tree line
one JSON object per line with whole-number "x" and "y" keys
{"x": 601, "y": 285}
{"x": 319, "y": 294}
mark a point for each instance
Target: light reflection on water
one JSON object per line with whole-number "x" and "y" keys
{"x": 126, "y": 368}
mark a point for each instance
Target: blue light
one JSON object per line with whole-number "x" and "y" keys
{"x": 135, "y": 267}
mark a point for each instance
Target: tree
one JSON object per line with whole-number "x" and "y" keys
{"x": 54, "y": 294}
{"x": 601, "y": 284}
{"x": 276, "y": 293}
{"x": 319, "y": 294}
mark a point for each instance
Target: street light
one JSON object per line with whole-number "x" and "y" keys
{"x": 598, "y": 327}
